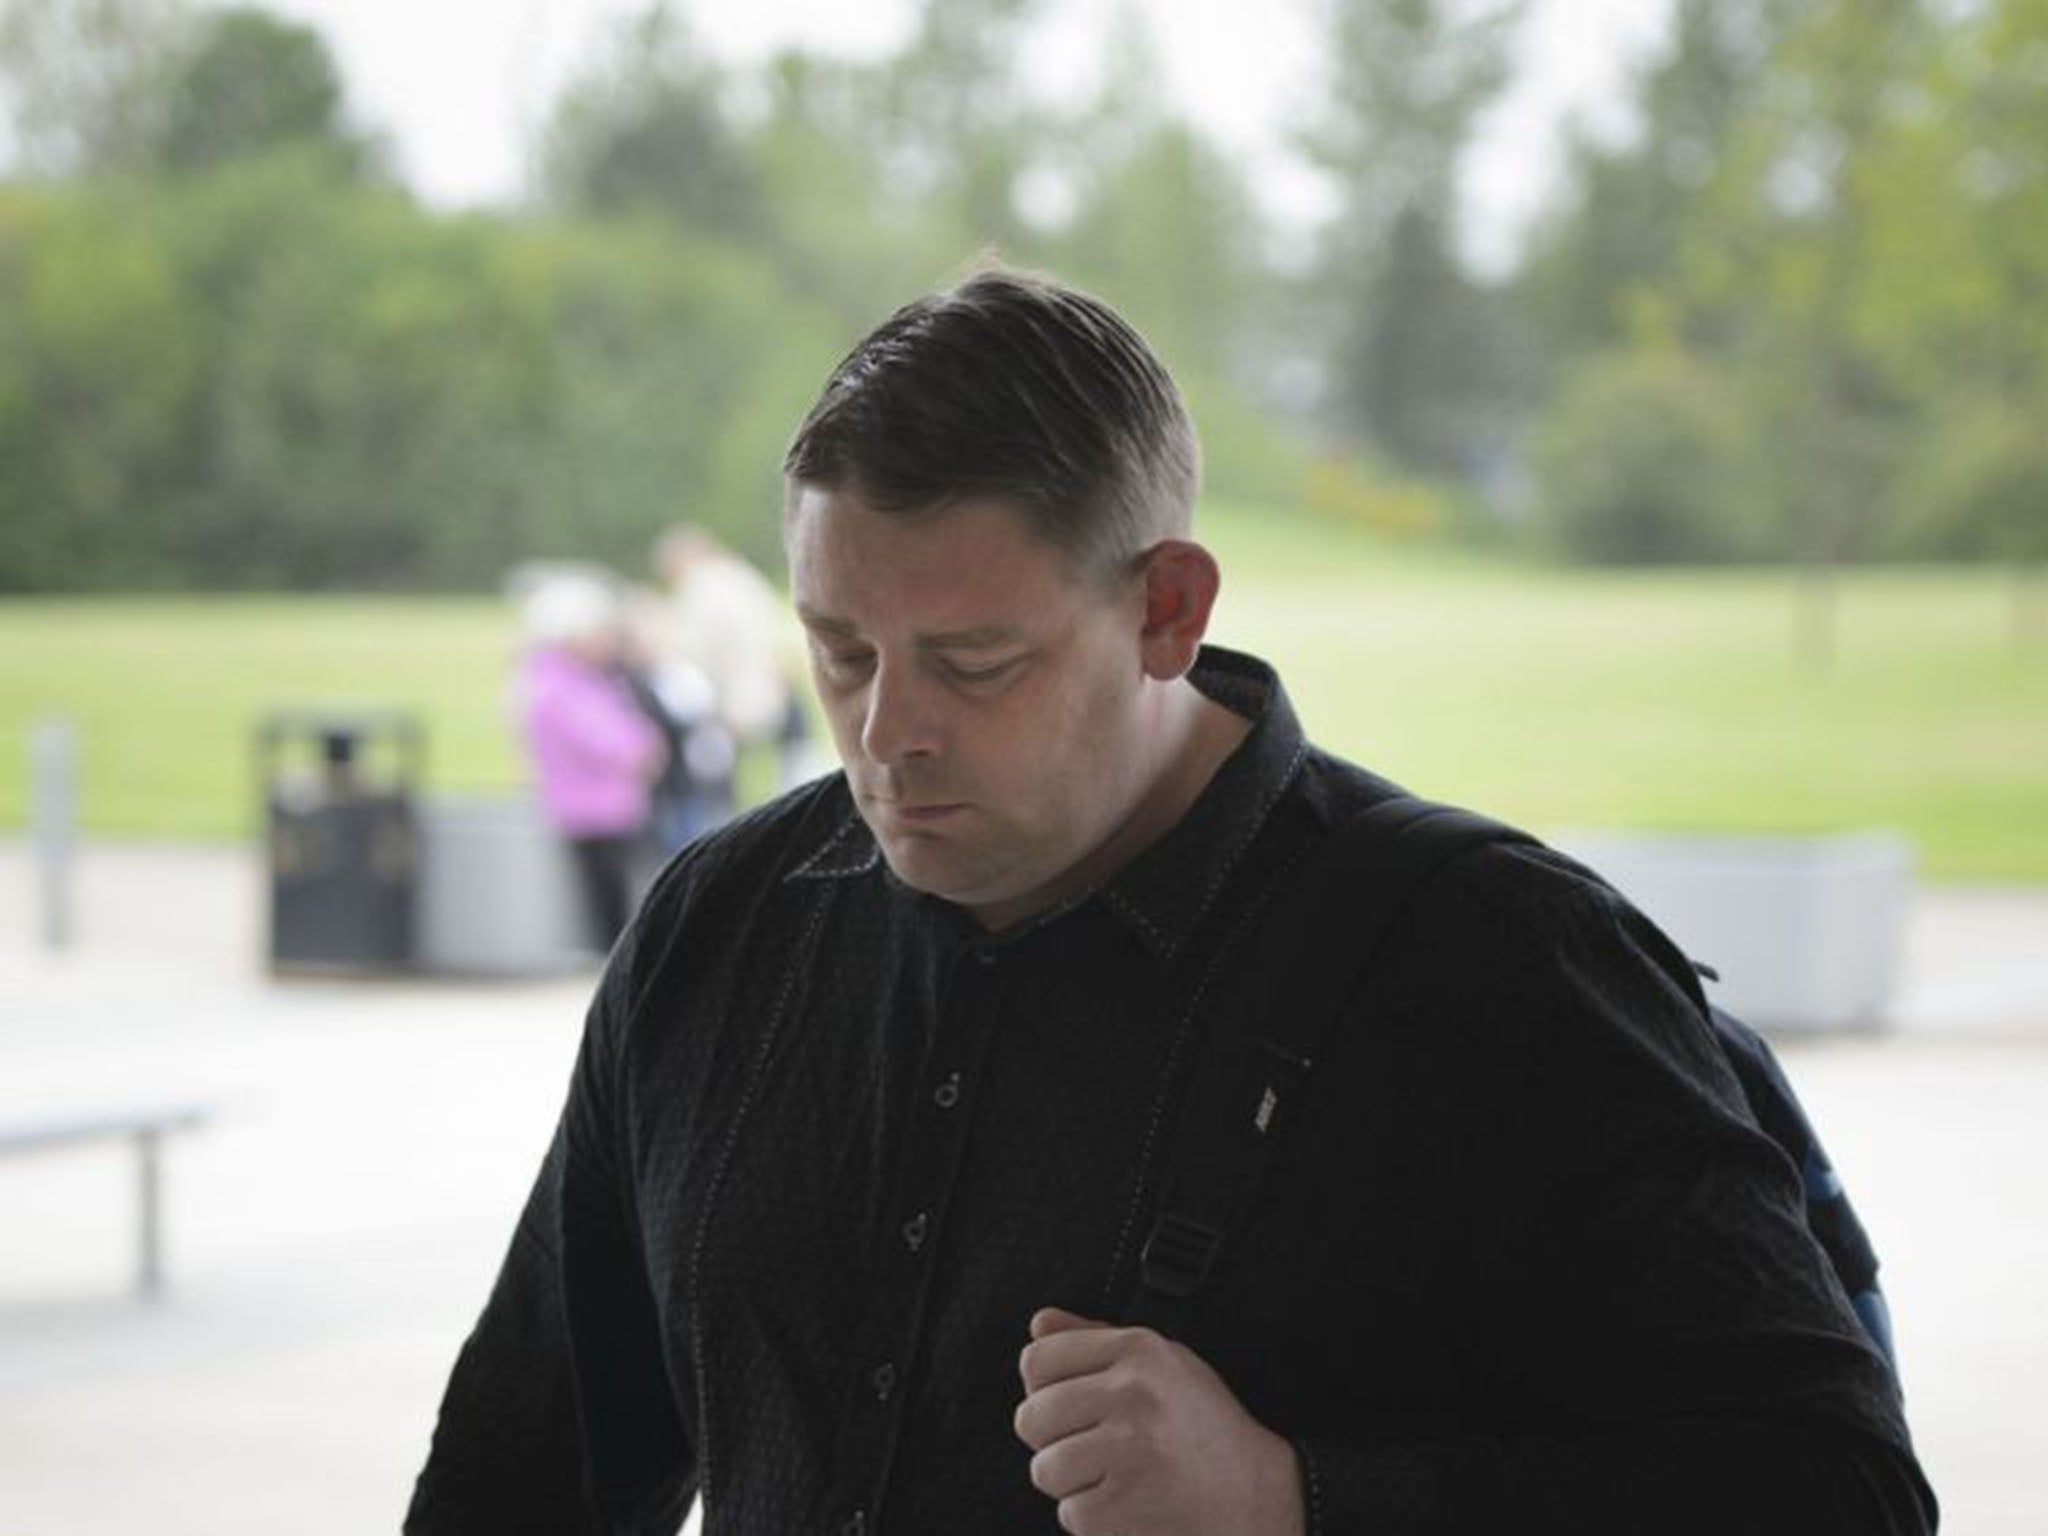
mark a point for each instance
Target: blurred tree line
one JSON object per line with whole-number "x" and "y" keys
{"x": 1801, "y": 311}
{"x": 1804, "y": 312}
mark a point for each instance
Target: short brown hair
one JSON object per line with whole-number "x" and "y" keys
{"x": 1012, "y": 388}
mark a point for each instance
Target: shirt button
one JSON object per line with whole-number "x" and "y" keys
{"x": 914, "y": 1230}
{"x": 984, "y": 954}
{"x": 948, "y": 1093}
{"x": 856, "y": 1524}
{"x": 884, "y": 1380}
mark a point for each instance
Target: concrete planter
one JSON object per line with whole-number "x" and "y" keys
{"x": 1807, "y": 933}
{"x": 496, "y": 892}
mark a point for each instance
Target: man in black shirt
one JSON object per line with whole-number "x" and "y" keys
{"x": 874, "y": 1098}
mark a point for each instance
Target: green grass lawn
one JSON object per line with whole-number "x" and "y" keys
{"x": 1548, "y": 697}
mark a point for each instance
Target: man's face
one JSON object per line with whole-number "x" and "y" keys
{"x": 988, "y": 701}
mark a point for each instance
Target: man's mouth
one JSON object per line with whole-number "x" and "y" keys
{"x": 924, "y": 813}
{"x": 915, "y": 812}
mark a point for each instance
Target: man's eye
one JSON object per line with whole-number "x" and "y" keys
{"x": 982, "y": 674}
{"x": 844, "y": 664}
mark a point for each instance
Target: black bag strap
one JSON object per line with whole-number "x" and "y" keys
{"x": 1305, "y": 960}
{"x": 1311, "y": 954}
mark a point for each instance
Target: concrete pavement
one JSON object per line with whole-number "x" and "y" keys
{"x": 332, "y": 1234}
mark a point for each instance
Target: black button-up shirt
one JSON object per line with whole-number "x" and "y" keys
{"x": 1522, "y": 1264}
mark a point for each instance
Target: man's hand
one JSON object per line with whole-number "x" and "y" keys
{"x": 1137, "y": 1436}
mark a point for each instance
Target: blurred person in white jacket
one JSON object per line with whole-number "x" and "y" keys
{"x": 722, "y": 624}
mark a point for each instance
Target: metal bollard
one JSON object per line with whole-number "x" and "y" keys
{"x": 53, "y": 800}
{"x": 149, "y": 1258}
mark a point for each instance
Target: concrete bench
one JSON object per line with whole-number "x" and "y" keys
{"x": 144, "y": 1127}
{"x": 1807, "y": 932}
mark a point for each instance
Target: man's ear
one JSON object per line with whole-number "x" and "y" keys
{"x": 1181, "y": 581}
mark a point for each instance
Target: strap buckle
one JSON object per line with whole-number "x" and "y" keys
{"x": 1178, "y": 1256}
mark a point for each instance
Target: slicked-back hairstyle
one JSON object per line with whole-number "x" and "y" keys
{"x": 1015, "y": 389}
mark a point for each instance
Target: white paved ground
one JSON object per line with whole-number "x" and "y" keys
{"x": 332, "y": 1234}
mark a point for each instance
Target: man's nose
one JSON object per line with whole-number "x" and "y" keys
{"x": 901, "y": 722}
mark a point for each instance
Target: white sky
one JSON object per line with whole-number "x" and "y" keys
{"x": 460, "y": 85}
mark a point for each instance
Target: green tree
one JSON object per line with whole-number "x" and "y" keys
{"x": 956, "y": 125}
{"x": 1413, "y": 348}
{"x": 677, "y": 368}
{"x": 644, "y": 129}
{"x": 1430, "y": 363}
{"x": 838, "y": 227}
{"x": 1613, "y": 251}
{"x": 1958, "y": 301}
{"x": 1641, "y": 459}
{"x": 248, "y": 82}
{"x": 97, "y": 357}
{"x": 82, "y": 80}
{"x": 1161, "y": 221}
{"x": 1167, "y": 231}
{"x": 1795, "y": 261}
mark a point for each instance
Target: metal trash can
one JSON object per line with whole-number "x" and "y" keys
{"x": 342, "y": 837}
{"x": 497, "y": 892}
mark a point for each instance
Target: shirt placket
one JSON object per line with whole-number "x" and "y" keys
{"x": 914, "y": 1226}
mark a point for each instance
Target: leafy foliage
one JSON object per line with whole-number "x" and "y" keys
{"x": 1840, "y": 209}
{"x": 1801, "y": 310}
{"x": 1419, "y": 362}
{"x": 1642, "y": 461}
{"x": 84, "y": 80}
{"x": 248, "y": 82}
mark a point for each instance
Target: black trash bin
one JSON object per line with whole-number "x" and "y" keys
{"x": 342, "y": 838}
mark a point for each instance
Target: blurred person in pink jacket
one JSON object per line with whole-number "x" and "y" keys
{"x": 594, "y": 752}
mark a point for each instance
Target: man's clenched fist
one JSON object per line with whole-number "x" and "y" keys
{"x": 1137, "y": 1436}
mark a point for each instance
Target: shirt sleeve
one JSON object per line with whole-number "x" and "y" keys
{"x": 558, "y": 1417}
{"x": 1673, "y": 1353}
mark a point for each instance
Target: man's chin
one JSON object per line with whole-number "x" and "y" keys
{"x": 922, "y": 867}
{"x": 993, "y": 901}
{"x": 935, "y": 868}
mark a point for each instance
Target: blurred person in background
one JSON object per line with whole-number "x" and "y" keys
{"x": 695, "y": 791}
{"x": 594, "y": 753}
{"x": 721, "y": 622}
{"x": 843, "y": 1223}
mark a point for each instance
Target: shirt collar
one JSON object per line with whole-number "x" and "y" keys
{"x": 850, "y": 850}
{"x": 1164, "y": 892}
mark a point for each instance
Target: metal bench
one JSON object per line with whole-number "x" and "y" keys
{"x": 146, "y": 1128}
